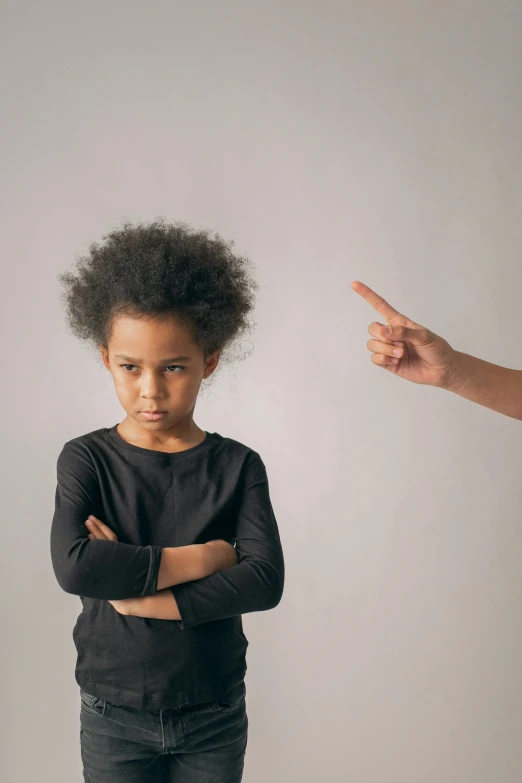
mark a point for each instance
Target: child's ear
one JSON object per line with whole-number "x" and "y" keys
{"x": 105, "y": 356}
{"x": 211, "y": 364}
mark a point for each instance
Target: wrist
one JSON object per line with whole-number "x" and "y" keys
{"x": 128, "y": 606}
{"x": 457, "y": 373}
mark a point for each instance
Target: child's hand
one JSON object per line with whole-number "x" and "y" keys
{"x": 99, "y": 530}
{"x": 424, "y": 356}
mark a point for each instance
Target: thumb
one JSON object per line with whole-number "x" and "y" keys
{"x": 417, "y": 336}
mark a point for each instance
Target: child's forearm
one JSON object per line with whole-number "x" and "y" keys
{"x": 180, "y": 564}
{"x": 162, "y": 606}
{"x": 495, "y": 387}
{"x": 195, "y": 561}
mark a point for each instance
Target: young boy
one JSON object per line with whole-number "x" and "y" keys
{"x": 147, "y": 512}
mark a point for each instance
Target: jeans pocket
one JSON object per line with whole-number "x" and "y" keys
{"x": 232, "y": 700}
{"x": 94, "y": 704}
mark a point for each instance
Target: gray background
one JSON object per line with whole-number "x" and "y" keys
{"x": 333, "y": 141}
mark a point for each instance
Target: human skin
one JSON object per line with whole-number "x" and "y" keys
{"x": 423, "y": 357}
{"x": 426, "y": 358}
{"x": 156, "y": 365}
{"x": 188, "y": 563}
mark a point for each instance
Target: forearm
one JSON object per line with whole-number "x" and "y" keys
{"x": 114, "y": 570}
{"x": 245, "y": 589}
{"x": 183, "y": 564}
{"x": 494, "y": 387}
{"x": 162, "y": 606}
{"x": 102, "y": 569}
{"x": 249, "y": 586}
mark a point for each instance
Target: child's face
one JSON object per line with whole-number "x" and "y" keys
{"x": 156, "y": 365}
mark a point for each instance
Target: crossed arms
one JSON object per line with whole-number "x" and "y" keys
{"x": 186, "y": 584}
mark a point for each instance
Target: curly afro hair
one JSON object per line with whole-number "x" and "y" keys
{"x": 160, "y": 269}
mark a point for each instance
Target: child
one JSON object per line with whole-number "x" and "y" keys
{"x": 147, "y": 512}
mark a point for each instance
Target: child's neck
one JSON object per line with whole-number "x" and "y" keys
{"x": 182, "y": 436}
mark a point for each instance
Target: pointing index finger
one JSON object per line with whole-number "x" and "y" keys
{"x": 379, "y": 304}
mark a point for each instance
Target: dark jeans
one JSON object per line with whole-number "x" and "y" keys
{"x": 203, "y": 743}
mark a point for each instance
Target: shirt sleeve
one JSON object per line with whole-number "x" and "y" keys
{"x": 94, "y": 568}
{"x": 256, "y": 583}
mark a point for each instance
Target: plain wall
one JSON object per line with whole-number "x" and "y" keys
{"x": 333, "y": 141}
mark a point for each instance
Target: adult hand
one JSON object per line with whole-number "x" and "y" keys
{"x": 423, "y": 356}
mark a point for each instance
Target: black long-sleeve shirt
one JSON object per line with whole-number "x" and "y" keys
{"x": 153, "y": 499}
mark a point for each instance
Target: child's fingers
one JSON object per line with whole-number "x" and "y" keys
{"x": 98, "y": 525}
{"x": 94, "y": 530}
{"x": 97, "y": 533}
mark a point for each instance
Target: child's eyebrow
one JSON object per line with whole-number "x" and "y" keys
{"x": 162, "y": 361}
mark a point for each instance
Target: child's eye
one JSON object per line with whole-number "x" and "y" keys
{"x": 179, "y": 366}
